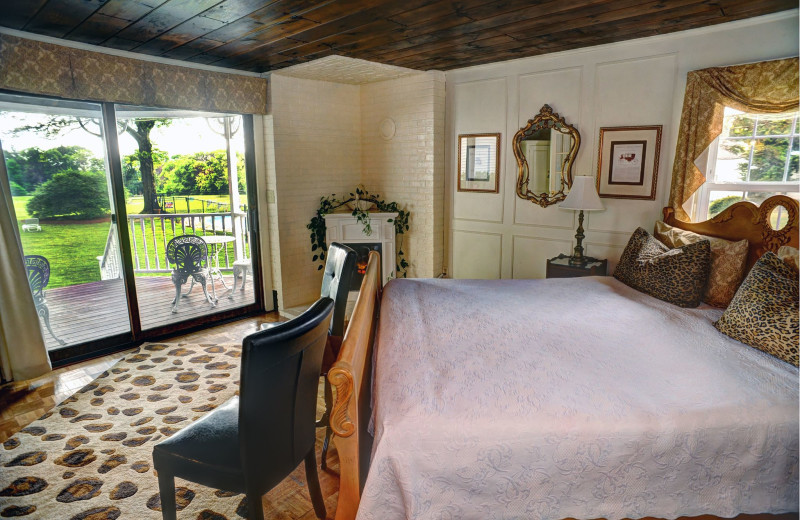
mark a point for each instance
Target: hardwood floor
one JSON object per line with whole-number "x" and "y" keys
{"x": 24, "y": 402}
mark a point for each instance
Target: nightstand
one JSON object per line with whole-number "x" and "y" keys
{"x": 559, "y": 267}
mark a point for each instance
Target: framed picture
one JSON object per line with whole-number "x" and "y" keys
{"x": 479, "y": 162}
{"x": 627, "y": 162}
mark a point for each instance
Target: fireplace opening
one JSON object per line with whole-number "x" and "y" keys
{"x": 362, "y": 250}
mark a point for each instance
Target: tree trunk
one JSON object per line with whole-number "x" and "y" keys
{"x": 142, "y": 136}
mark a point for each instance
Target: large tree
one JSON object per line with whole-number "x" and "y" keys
{"x": 138, "y": 128}
{"x": 140, "y": 131}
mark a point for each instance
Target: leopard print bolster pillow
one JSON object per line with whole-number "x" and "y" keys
{"x": 677, "y": 276}
{"x": 764, "y": 311}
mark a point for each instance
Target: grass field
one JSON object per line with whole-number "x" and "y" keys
{"x": 72, "y": 248}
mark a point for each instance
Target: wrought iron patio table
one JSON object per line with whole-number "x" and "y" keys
{"x": 217, "y": 243}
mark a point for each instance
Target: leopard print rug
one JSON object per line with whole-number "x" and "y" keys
{"x": 90, "y": 458}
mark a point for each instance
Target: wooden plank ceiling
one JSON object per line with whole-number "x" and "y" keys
{"x": 260, "y": 36}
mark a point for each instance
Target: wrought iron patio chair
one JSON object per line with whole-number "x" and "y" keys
{"x": 37, "y": 268}
{"x": 188, "y": 255}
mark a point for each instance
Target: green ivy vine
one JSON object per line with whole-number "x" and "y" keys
{"x": 329, "y": 204}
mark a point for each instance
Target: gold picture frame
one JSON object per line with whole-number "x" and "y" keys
{"x": 479, "y": 163}
{"x": 627, "y": 162}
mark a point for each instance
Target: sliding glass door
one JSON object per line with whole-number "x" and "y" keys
{"x": 100, "y": 192}
{"x": 185, "y": 173}
{"x": 56, "y": 161}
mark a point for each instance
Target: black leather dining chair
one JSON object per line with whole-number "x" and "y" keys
{"x": 340, "y": 266}
{"x": 338, "y": 275}
{"x": 254, "y": 441}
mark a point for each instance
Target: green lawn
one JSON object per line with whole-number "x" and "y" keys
{"x": 72, "y": 248}
{"x": 179, "y": 202}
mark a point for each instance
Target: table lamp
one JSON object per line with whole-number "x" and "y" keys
{"x": 582, "y": 196}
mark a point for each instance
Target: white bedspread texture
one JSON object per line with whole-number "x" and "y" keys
{"x": 571, "y": 398}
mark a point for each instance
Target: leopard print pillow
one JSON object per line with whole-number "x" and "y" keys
{"x": 764, "y": 312}
{"x": 677, "y": 276}
{"x": 728, "y": 261}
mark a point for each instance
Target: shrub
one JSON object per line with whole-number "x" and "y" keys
{"x": 71, "y": 195}
{"x": 720, "y": 205}
{"x": 17, "y": 190}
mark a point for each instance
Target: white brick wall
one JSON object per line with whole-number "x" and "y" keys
{"x": 325, "y": 140}
{"x": 317, "y": 151}
{"x": 409, "y": 168}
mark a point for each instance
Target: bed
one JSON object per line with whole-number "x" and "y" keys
{"x": 564, "y": 398}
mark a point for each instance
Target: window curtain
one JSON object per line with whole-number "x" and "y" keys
{"x": 45, "y": 68}
{"x": 22, "y": 351}
{"x": 767, "y": 87}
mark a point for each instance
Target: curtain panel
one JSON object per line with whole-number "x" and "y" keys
{"x": 22, "y": 351}
{"x": 766, "y": 87}
{"x": 44, "y": 68}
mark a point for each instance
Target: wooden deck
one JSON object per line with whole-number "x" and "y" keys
{"x": 91, "y": 311}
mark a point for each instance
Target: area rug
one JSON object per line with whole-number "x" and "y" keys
{"x": 90, "y": 458}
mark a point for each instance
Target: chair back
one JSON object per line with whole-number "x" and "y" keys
{"x": 339, "y": 268}
{"x": 187, "y": 253}
{"x": 38, "y": 270}
{"x": 278, "y": 394}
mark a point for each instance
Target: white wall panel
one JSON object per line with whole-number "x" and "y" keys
{"x": 530, "y": 254}
{"x": 639, "y": 82}
{"x": 635, "y": 92}
{"x": 476, "y": 254}
{"x": 480, "y": 108}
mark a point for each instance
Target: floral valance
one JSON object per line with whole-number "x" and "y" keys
{"x": 44, "y": 68}
{"x": 765, "y": 87}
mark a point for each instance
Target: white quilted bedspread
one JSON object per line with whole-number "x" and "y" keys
{"x": 571, "y": 398}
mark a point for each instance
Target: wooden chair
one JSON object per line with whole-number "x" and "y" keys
{"x": 38, "y": 270}
{"x": 253, "y": 441}
{"x": 189, "y": 256}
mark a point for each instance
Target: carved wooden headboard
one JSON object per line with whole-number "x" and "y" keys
{"x": 746, "y": 220}
{"x": 351, "y": 375}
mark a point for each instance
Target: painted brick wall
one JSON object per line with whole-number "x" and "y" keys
{"x": 324, "y": 138}
{"x": 316, "y": 134}
{"x": 409, "y": 166}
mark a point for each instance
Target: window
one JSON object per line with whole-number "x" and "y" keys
{"x": 756, "y": 156}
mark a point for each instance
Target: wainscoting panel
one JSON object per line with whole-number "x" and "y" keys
{"x": 477, "y": 255}
{"x": 616, "y": 84}
{"x": 632, "y": 83}
{"x": 531, "y": 254}
{"x": 482, "y": 110}
{"x": 561, "y": 89}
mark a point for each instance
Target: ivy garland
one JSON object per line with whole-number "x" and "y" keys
{"x": 329, "y": 204}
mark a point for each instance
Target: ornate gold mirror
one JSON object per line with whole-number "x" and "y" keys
{"x": 545, "y": 149}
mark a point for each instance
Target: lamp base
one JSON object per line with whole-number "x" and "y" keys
{"x": 578, "y": 260}
{"x": 577, "y": 257}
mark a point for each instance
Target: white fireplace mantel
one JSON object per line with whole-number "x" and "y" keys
{"x": 344, "y": 228}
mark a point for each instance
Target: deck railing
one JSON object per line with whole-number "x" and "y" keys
{"x": 150, "y": 233}
{"x": 109, "y": 262}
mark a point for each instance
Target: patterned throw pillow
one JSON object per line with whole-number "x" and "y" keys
{"x": 676, "y": 275}
{"x": 728, "y": 261}
{"x": 790, "y": 255}
{"x": 764, "y": 312}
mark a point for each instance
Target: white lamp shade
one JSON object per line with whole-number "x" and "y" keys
{"x": 582, "y": 195}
